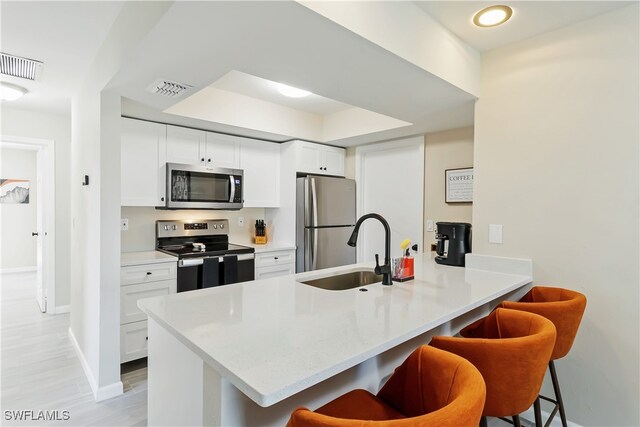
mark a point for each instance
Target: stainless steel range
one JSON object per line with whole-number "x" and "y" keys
{"x": 205, "y": 256}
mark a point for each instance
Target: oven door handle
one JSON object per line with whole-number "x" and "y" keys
{"x": 191, "y": 262}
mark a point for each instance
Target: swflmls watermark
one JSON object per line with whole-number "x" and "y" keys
{"x": 31, "y": 415}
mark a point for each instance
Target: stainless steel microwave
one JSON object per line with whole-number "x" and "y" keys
{"x": 198, "y": 187}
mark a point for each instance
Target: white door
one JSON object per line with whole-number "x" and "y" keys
{"x": 390, "y": 179}
{"x": 39, "y": 232}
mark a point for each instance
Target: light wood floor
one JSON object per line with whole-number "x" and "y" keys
{"x": 41, "y": 372}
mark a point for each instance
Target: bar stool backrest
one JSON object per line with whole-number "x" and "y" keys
{"x": 563, "y": 307}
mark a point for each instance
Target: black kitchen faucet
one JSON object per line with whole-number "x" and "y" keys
{"x": 385, "y": 269}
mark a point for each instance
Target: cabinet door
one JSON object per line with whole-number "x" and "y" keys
{"x": 222, "y": 151}
{"x": 142, "y": 154}
{"x": 261, "y": 164}
{"x": 185, "y": 145}
{"x": 134, "y": 341}
{"x": 333, "y": 161}
{"x": 308, "y": 158}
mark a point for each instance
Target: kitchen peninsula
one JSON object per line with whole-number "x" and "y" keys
{"x": 250, "y": 353}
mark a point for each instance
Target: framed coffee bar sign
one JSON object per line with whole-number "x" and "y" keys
{"x": 458, "y": 185}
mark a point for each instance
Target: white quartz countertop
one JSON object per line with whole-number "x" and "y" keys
{"x": 273, "y": 338}
{"x": 145, "y": 257}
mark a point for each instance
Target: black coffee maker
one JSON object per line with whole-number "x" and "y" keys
{"x": 454, "y": 241}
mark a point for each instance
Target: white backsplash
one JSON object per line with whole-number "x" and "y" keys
{"x": 142, "y": 220}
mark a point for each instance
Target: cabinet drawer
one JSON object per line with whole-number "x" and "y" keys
{"x": 275, "y": 271}
{"x": 145, "y": 273}
{"x": 133, "y": 341}
{"x": 269, "y": 259}
{"x": 130, "y": 294}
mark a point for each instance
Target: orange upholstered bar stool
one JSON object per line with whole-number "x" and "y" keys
{"x": 431, "y": 388}
{"x": 564, "y": 308}
{"x": 511, "y": 349}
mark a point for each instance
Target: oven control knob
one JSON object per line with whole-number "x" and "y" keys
{"x": 174, "y": 227}
{"x": 215, "y": 226}
{"x": 166, "y": 228}
{"x": 221, "y": 226}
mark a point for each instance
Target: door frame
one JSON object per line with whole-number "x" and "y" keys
{"x": 47, "y": 169}
{"x": 361, "y": 151}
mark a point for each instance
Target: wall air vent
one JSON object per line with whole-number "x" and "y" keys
{"x": 15, "y": 66}
{"x": 168, "y": 88}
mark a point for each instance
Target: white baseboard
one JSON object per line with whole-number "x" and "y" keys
{"x": 62, "y": 309}
{"x": 557, "y": 422}
{"x": 99, "y": 393}
{"x": 18, "y": 270}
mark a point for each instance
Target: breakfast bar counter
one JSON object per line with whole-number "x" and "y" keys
{"x": 250, "y": 353}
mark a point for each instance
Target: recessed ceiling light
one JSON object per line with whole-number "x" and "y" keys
{"x": 292, "y": 92}
{"x": 492, "y": 16}
{"x": 9, "y": 92}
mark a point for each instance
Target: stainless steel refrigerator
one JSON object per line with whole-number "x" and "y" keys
{"x": 325, "y": 217}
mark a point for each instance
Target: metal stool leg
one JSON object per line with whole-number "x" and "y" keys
{"x": 538, "y": 414}
{"x": 556, "y": 390}
{"x": 516, "y": 421}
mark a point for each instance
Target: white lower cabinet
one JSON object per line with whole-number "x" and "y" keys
{"x": 275, "y": 263}
{"x": 138, "y": 282}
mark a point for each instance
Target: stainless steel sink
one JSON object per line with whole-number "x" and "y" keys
{"x": 345, "y": 281}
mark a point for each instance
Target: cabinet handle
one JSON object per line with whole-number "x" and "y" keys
{"x": 275, "y": 257}
{"x": 209, "y": 160}
{"x": 146, "y": 338}
{"x": 162, "y": 199}
{"x": 320, "y": 167}
{"x": 202, "y": 159}
{"x": 149, "y": 273}
{"x": 325, "y": 168}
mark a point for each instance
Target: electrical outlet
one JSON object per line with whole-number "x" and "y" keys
{"x": 495, "y": 233}
{"x": 124, "y": 224}
{"x": 429, "y": 225}
{"x": 240, "y": 221}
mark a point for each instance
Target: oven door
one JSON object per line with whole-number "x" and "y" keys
{"x": 196, "y": 187}
{"x": 208, "y": 272}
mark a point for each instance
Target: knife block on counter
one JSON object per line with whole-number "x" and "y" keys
{"x": 260, "y": 234}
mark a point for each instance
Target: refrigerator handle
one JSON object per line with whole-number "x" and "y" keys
{"x": 314, "y": 203}
{"x": 308, "y": 249}
{"x": 314, "y": 249}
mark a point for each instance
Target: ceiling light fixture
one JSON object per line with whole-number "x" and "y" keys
{"x": 292, "y": 92}
{"x": 492, "y": 16}
{"x": 10, "y": 92}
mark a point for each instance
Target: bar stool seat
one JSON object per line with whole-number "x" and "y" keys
{"x": 565, "y": 309}
{"x": 431, "y": 388}
{"x": 511, "y": 349}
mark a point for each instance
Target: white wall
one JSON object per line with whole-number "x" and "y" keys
{"x": 142, "y": 220}
{"x": 450, "y": 149}
{"x": 95, "y": 237}
{"x": 556, "y": 162}
{"x": 42, "y": 125}
{"x": 18, "y": 220}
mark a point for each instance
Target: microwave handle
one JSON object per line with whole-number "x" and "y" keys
{"x": 233, "y": 188}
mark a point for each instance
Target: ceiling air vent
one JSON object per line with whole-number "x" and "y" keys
{"x": 168, "y": 88}
{"x": 15, "y": 66}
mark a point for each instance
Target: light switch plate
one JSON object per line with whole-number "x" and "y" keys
{"x": 429, "y": 225}
{"x": 495, "y": 233}
{"x": 124, "y": 224}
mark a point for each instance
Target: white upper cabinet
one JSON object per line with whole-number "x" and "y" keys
{"x": 143, "y": 151}
{"x": 198, "y": 147}
{"x": 222, "y": 151}
{"x": 260, "y": 161}
{"x": 185, "y": 145}
{"x": 319, "y": 159}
